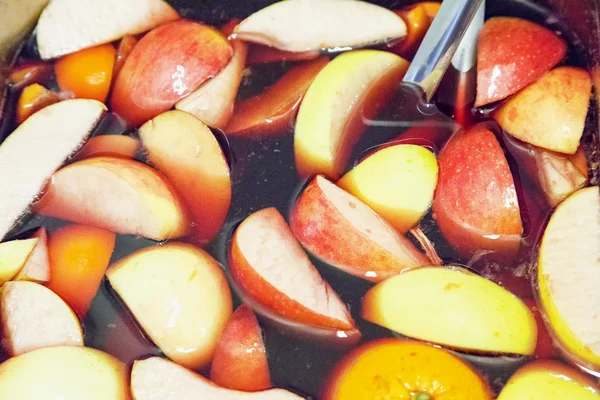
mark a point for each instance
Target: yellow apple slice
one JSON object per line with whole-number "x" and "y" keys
{"x": 569, "y": 276}
{"x": 397, "y": 182}
{"x": 549, "y": 380}
{"x": 37, "y": 266}
{"x": 65, "y": 373}
{"x": 37, "y": 148}
{"x": 305, "y": 25}
{"x": 67, "y": 26}
{"x": 180, "y": 297}
{"x": 13, "y": 256}
{"x": 455, "y": 308}
{"x": 159, "y": 379}
{"x": 33, "y": 317}
{"x": 351, "y": 88}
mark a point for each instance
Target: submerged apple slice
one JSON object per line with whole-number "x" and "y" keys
{"x": 180, "y": 297}
{"x": 33, "y": 317}
{"x": 117, "y": 194}
{"x": 344, "y": 232}
{"x": 13, "y": 256}
{"x": 349, "y": 90}
{"x": 270, "y": 267}
{"x": 304, "y": 25}
{"x": 186, "y": 151}
{"x": 37, "y": 266}
{"x": 66, "y": 373}
{"x": 67, "y": 26}
{"x": 109, "y": 145}
{"x": 551, "y": 112}
{"x": 569, "y": 275}
{"x": 37, "y": 148}
{"x": 159, "y": 379}
{"x": 455, "y": 308}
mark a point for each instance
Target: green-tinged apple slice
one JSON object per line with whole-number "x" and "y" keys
{"x": 305, "y": 25}
{"x": 159, "y": 379}
{"x": 37, "y": 266}
{"x": 352, "y": 88}
{"x": 189, "y": 297}
{"x": 117, "y": 194}
{"x": 65, "y": 373}
{"x": 37, "y": 148}
{"x": 33, "y": 317}
{"x": 569, "y": 276}
{"x": 67, "y": 26}
{"x": 455, "y": 308}
{"x": 13, "y": 256}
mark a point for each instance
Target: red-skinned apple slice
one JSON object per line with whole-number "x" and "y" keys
{"x": 273, "y": 111}
{"x": 167, "y": 64}
{"x": 213, "y": 102}
{"x": 70, "y": 25}
{"x": 109, "y": 145}
{"x": 33, "y": 317}
{"x": 551, "y": 112}
{"x": 37, "y": 148}
{"x": 270, "y": 267}
{"x": 117, "y": 194}
{"x": 125, "y": 48}
{"x": 475, "y": 203}
{"x": 344, "y": 232}
{"x": 159, "y": 379}
{"x": 304, "y": 25}
{"x": 186, "y": 151}
{"x": 240, "y": 361}
{"x": 37, "y": 266}
{"x": 512, "y": 53}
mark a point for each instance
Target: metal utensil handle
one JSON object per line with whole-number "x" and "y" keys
{"x": 441, "y": 41}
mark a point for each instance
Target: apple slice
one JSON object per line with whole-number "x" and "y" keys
{"x": 67, "y": 26}
{"x": 568, "y": 265}
{"x": 304, "y": 25}
{"x": 33, "y": 317}
{"x": 352, "y": 88}
{"x": 259, "y": 54}
{"x": 167, "y": 64}
{"x": 475, "y": 204}
{"x": 551, "y": 112}
{"x": 456, "y": 308}
{"x": 213, "y": 102}
{"x": 240, "y": 361}
{"x": 344, "y": 232}
{"x": 30, "y": 72}
{"x": 546, "y": 379}
{"x": 109, "y": 145}
{"x": 125, "y": 48}
{"x": 159, "y": 379}
{"x": 66, "y": 373}
{"x": 273, "y": 111}
{"x": 189, "y": 294}
{"x": 511, "y": 54}
{"x": 13, "y": 256}
{"x": 37, "y": 266}
{"x": 417, "y": 23}
{"x": 270, "y": 267}
{"x": 123, "y": 196}
{"x": 186, "y": 151}
{"x": 37, "y": 148}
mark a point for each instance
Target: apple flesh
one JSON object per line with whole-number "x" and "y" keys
{"x": 352, "y": 88}
{"x": 492, "y": 320}
{"x": 109, "y": 145}
{"x": 120, "y": 195}
{"x": 240, "y": 361}
{"x": 270, "y": 267}
{"x": 167, "y": 64}
{"x": 37, "y": 148}
{"x": 66, "y": 373}
{"x": 184, "y": 149}
{"x": 567, "y": 276}
{"x": 344, "y": 232}
{"x": 13, "y": 256}
{"x": 68, "y": 26}
{"x": 190, "y": 298}
{"x": 34, "y": 317}
{"x": 545, "y": 379}
{"x": 511, "y": 54}
{"x": 37, "y": 266}
{"x": 551, "y": 112}
{"x": 301, "y": 25}
{"x": 476, "y": 217}
{"x": 259, "y": 54}
{"x": 159, "y": 379}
